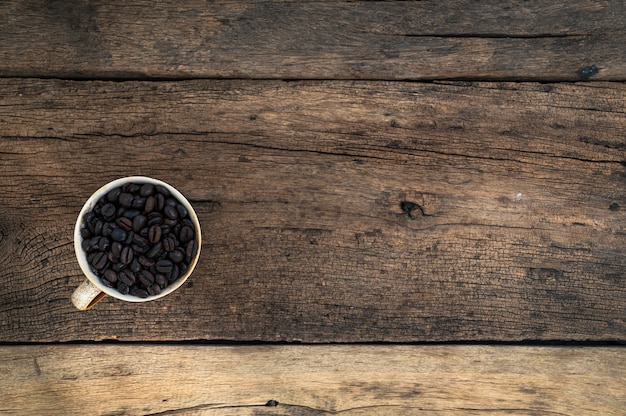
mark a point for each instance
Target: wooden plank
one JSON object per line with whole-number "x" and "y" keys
{"x": 398, "y": 40}
{"x": 311, "y": 380}
{"x": 331, "y": 211}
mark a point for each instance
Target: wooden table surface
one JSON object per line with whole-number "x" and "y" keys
{"x": 407, "y": 207}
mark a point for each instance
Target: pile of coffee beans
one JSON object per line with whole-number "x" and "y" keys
{"x": 139, "y": 239}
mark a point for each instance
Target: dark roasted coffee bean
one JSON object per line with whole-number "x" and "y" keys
{"x": 94, "y": 243}
{"x": 140, "y": 293}
{"x": 170, "y": 212}
{"x": 103, "y": 244}
{"x": 139, "y": 203}
{"x": 106, "y": 282}
{"x": 139, "y": 222}
{"x": 85, "y": 246}
{"x": 108, "y": 211}
{"x": 127, "y": 277}
{"x": 155, "y": 250}
{"x": 185, "y": 235}
{"x": 129, "y": 237}
{"x": 118, "y": 235}
{"x": 134, "y": 188}
{"x": 170, "y": 222}
{"x": 108, "y": 227}
{"x": 116, "y": 249}
{"x": 124, "y": 223}
{"x": 154, "y": 234}
{"x": 123, "y": 288}
{"x": 145, "y": 261}
{"x": 171, "y": 202}
{"x": 113, "y": 194}
{"x": 134, "y": 266}
{"x": 147, "y": 189}
{"x": 119, "y": 266}
{"x": 169, "y": 244}
{"x": 126, "y": 199}
{"x": 127, "y": 255}
{"x": 149, "y": 207}
{"x": 177, "y": 256}
{"x": 140, "y": 241}
{"x": 89, "y": 217}
{"x": 146, "y": 278}
{"x": 173, "y": 274}
{"x": 131, "y": 213}
{"x": 110, "y": 275}
{"x": 159, "y": 201}
{"x": 191, "y": 249}
{"x": 155, "y": 218}
{"x": 161, "y": 280}
{"x": 86, "y": 233}
{"x": 182, "y": 211}
{"x": 162, "y": 190}
{"x": 182, "y": 268}
{"x": 97, "y": 228}
{"x": 154, "y": 290}
{"x": 100, "y": 260}
{"x": 164, "y": 266}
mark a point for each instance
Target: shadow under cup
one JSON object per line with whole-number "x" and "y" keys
{"x": 93, "y": 289}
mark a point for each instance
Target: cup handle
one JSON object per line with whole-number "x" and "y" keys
{"x": 86, "y": 296}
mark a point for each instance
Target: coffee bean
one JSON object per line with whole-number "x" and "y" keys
{"x": 126, "y": 256}
{"x": 125, "y": 199}
{"x": 154, "y": 234}
{"x": 147, "y": 189}
{"x": 169, "y": 244}
{"x": 159, "y": 201}
{"x": 103, "y": 244}
{"x": 108, "y": 227}
{"x": 154, "y": 290}
{"x": 191, "y": 249}
{"x": 162, "y": 190}
{"x": 129, "y": 237}
{"x": 140, "y": 293}
{"x": 124, "y": 223}
{"x": 113, "y": 194}
{"x": 100, "y": 260}
{"x": 85, "y": 246}
{"x": 139, "y": 203}
{"x": 155, "y": 250}
{"x": 164, "y": 266}
{"x": 161, "y": 280}
{"x": 177, "y": 256}
{"x": 182, "y": 211}
{"x": 145, "y": 261}
{"x": 116, "y": 249}
{"x": 173, "y": 274}
{"x": 94, "y": 243}
{"x": 131, "y": 213}
{"x": 185, "y": 234}
{"x": 155, "y": 218}
{"x": 97, "y": 228}
{"x": 149, "y": 207}
{"x": 118, "y": 235}
{"x": 146, "y": 278}
{"x": 110, "y": 275}
{"x": 127, "y": 277}
{"x": 139, "y": 222}
{"x": 123, "y": 288}
{"x": 135, "y": 266}
{"x": 85, "y": 233}
{"x": 108, "y": 211}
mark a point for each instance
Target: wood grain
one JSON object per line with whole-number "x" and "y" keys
{"x": 311, "y": 380}
{"x": 399, "y": 40}
{"x": 331, "y": 211}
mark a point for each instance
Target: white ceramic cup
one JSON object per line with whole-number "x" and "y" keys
{"x": 92, "y": 290}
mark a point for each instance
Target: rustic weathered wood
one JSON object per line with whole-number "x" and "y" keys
{"x": 331, "y": 211}
{"x": 311, "y": 380}
{"x": 423, "y": 40}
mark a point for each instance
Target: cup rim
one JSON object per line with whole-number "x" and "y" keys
{"x": 81, "y": 255}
